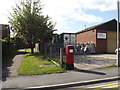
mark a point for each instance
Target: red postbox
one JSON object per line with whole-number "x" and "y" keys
{"x": 70, "y": 57}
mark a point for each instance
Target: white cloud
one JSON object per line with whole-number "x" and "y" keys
{"x": 86, "y": 17}
{"x": 102, "y": 5}
{"x": 5, "y": 9}
{"x": 62, "y": 11}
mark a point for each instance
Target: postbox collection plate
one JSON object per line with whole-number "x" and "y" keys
{"x": 71, "y": 50}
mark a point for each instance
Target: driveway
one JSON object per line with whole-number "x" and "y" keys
{"x": 88, "y": 62}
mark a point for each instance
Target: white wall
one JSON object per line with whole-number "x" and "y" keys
{"x": 73, "y": 40}
{"x": 70, "y": 38}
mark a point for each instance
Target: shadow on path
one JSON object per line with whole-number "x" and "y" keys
{"x": 6, "y": 65}
{"x": 21, "y": 52}
{"x": 5, "y": 68}
{"x": 89, "y": 71}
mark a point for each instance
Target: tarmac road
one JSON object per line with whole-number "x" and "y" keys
{"x": 88, "y": 62}
{"x": 113, "y": 85}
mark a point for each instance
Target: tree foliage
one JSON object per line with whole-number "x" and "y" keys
{"x": 30, "y": 24}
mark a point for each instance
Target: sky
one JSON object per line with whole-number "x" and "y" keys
{"x": 70, "y": 16}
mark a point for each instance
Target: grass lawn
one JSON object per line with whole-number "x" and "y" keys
{"x": 36, "y": 65}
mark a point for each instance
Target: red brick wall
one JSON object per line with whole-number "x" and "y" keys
{"x": 85, "y": 37}
{"x": 91, "y": 36}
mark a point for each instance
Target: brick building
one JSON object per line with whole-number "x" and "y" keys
{"x": 103, "y": 35}
{"x": 4, "y": 31}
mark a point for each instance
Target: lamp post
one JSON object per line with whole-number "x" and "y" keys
{"x": 118, "y": 61}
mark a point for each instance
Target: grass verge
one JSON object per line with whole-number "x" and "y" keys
{"x": 37, "y": 64}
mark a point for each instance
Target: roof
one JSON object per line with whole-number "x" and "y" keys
{"x": 109, "y": 25}
{"x": 68, "y": 33}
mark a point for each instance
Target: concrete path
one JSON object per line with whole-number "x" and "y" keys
{"x": 10, "y": 68}
{"x": 17, "y": 62}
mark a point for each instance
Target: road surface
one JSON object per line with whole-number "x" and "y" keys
{"x": 115, "y": 85}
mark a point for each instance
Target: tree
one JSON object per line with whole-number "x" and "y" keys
{"x": 30, "y": 24}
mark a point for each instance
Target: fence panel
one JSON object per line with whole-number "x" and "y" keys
{"x": 53, "y": 50}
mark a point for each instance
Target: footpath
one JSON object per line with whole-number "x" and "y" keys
{"x": 72, "y": 77}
